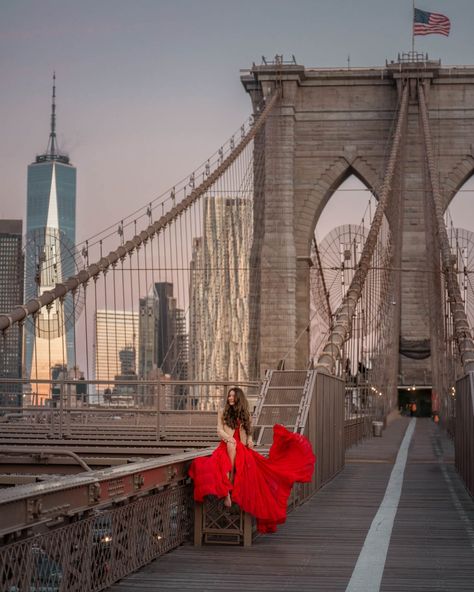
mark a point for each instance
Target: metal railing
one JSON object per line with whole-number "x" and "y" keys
{"x": 157, "y": 405}
{"x": 355, "y": 430}
{"x": 87, "y": 531}
{"x": 325, "y": 430}
{"x": 363, "y": 404}
{"x": 464, "y": 431}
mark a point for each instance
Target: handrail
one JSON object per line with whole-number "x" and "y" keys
{"x": 29, "y": 505}
{"x": 46, "y": 451}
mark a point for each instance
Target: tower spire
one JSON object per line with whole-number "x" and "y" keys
{"x": 52, "y": 150}
{"x": 52, "y": 143}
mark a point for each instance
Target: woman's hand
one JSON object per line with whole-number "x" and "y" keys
{"x": 250, "y": 444}
{"x": 231, "y": 441}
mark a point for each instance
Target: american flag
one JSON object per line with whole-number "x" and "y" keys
{"x": 427, "y": 23}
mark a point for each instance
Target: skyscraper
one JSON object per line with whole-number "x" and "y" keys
{"x": 163, "y": 339}
{"x": 219, "y": 286}
{"x": 148, "y": 334}
{"x": 50, "y": 257}
{"x": 116, "y": 337}
{"x": 180, "y": 357}
{"x": 11, "y": 295}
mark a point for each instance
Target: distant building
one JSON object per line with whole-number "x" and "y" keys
{"x": 11, "y": 295}
{"x": 156, "y": 329}
{"x": 70, "y": 383}
{"x": 126, "y": 381}
{"x": 163, "y": 339}
{"x": 58, "y": 374}
{"x": 116, "y": 337}
{"x": 166, "y": 334}
{"x": 219, "y": 288}
{"x": 180, "y": 357}
{"x": 128, "y": 356}
{"x": 149, "y": 319}
{"x": 49, "y": 257}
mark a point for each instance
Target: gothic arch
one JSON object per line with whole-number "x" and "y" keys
{"x": 323, "y": 189}
{"x": 456, "y": 178}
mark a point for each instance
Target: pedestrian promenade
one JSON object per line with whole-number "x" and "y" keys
{"x": 333, "y": 543}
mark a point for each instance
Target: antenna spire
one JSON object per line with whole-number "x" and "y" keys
{"x": 52, "y": 149}
{"x": 52, "y": 144}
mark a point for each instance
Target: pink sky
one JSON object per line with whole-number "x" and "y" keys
{"x": 148, "y": 90}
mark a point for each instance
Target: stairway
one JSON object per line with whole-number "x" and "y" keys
{"x": 285, "y": 398}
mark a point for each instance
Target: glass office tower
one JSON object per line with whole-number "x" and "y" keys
{"x": 50, "y": 258}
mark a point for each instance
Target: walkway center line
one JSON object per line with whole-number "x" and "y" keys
{"x": 368, "y": 571}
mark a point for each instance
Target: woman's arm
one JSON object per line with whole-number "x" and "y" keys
{"x": 223, "y": 435}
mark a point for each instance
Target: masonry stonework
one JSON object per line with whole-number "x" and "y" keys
{"x": 329, "y": 124}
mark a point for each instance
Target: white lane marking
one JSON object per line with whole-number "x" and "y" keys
{"x": 368, "y": 571}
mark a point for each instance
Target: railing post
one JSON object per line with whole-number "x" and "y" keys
{"x": 68, "y": 407}
{"x": 61, "y": 407}
{"x": 51, "y": 419}
{"x": 247, "y": 530}
{"x": 158, "y": 408}
{"x": 197, "y": 524}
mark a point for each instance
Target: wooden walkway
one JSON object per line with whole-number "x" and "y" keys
{"x": 431, "y": 546}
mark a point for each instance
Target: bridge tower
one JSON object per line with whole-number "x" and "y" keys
{"x": 329, "y": 124}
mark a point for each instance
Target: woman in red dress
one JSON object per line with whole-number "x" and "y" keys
{"x": 234, "y": 471}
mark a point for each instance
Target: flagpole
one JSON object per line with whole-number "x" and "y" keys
{"x": 413, "y": 31}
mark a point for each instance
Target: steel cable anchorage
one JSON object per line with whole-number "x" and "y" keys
{"x": 332, "y": 351}
{"x": 461, "y": 325}
{"x": 100, "y": 267}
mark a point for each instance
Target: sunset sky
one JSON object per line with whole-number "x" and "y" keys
{"x": 147, "y": 90}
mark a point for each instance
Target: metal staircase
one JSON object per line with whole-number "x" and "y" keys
{"x": 285, "y": 398}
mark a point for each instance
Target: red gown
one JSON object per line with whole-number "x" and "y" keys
{"x": 261, "y": 485}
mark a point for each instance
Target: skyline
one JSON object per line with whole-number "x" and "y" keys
{"x": 146, "y": 93}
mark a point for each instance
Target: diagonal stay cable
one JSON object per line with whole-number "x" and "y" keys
{"x": 461, "y": 324}
{"x": 323, "y": 280}
{"x": 342, "y": 323}
{"x": 94, "y": 270}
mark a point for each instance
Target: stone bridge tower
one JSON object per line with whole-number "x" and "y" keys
{"x": 329, "y": 124}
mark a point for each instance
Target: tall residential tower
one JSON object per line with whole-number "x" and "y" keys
{"x": 219, "y": 287}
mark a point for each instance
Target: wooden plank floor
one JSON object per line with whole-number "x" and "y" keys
{"x": 431, "y": 549}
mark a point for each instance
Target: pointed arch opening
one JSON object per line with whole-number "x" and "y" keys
{"x": 351, "y": 203}
{"x": 460, "y": 210}
{"x": 339, "y": 240}
{"x": 459, "y": 220}
{"x": 337, "y": 243}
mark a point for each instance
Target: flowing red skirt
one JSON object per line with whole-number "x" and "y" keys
{"x": 261, "y": 485}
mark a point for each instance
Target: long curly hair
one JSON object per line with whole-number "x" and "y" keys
{"x": 238, "y": 412}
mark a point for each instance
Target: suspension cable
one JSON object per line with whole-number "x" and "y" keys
{"x": 95, "y": 269}
{"x": 461, "y": 326}
{"x": 342, "y": 323}
{"x": 323, "y": 280}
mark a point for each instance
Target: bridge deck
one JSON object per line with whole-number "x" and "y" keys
{"x": 431, "y": 546}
